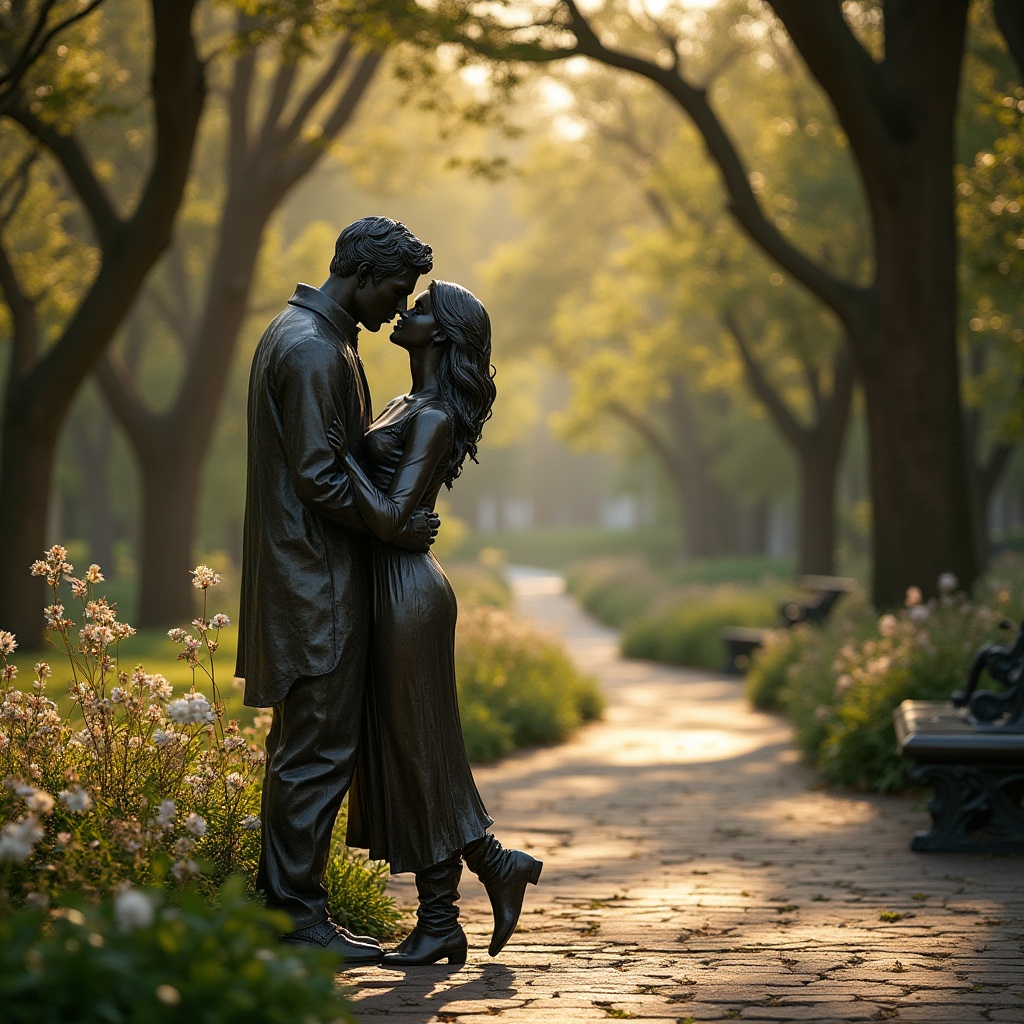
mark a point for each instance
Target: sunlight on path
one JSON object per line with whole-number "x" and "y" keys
{"x": 693, "y": 873}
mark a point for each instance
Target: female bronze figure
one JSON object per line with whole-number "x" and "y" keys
{"x": 413, "y": 801}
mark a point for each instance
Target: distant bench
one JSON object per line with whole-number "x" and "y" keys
{"x": 824, "y": 591}
{"x": 970, "y": 751}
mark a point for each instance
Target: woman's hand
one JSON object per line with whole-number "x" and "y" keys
{"x": 336, "y": 439}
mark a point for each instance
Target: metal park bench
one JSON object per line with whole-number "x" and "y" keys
{"x": 970, "y": 751}
{"x": 823, "y": 592}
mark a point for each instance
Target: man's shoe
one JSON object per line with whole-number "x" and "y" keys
{"x": 327, "y": 935}
{"x": 419, "y": 948}
{"x": 367, "y": 940}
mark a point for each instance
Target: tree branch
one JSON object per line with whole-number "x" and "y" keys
{"x": 36, "y": 45}
{"x": 238, "y": 107}
{"x": 795, "y": 433}
{"x": 24, "y": 319}
{"x": 283, "y": 81}
{"x": 873, "y": 111}
{"x": 123, "y": 398}
{"x": 69, "y": 154}
{"x": 845, "y": 299}
{"x": 1010, "y": 19}
{"x": 319, "y": 88}
{"x": 657, "y": 442}
{"x": 304, "y": 159}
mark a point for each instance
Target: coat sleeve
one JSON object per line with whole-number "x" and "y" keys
{"x": 427, "y": 441}
{"x": 311, "y": 382}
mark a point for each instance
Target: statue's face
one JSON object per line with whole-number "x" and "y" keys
{"x": 416, "y": 327}
{"x": 377, "y": 302}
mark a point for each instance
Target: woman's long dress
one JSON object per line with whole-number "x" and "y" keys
{"x": 413, "y": 800}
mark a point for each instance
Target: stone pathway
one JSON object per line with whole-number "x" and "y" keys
{"x": 694, "y": 873}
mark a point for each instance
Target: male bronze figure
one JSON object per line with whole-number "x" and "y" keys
{"x": 303, "y": 621}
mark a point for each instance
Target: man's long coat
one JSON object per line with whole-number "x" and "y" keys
{"x": 305, "y": 570}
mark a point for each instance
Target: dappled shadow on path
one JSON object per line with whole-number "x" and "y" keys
{"x": 427, "y": 992}
{"x": 694, "y": 869}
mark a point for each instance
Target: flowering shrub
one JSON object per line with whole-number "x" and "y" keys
{"x": 840, "y": 685}
{"x": 136, "y": 957}
{"x": 133, "y": 782}
{"x": 136, "y": 784}
{"x": 517, "y": 687}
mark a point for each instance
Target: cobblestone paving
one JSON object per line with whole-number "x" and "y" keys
{"x": 694, "y": 873}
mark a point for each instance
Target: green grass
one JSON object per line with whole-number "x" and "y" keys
{"x": 556, "y": 547}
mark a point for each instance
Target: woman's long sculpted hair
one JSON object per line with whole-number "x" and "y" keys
{"x": 464, "y": 375}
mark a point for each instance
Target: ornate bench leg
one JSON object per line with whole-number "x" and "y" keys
{"x": 975, "y": 809}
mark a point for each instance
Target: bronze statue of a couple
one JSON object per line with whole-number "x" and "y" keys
{"x": 347, "y": 622}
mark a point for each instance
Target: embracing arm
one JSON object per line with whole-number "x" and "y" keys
{"x": 427, "y": 441}
{"x": 310, "y": 385}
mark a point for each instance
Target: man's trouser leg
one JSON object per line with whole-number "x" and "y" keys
{"x": 311, "y": 752}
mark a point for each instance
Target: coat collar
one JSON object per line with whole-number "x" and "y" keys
{"x": 313, "y": 299}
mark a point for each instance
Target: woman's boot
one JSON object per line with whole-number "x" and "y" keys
{"x": 505, "y": 874}
{"x": 437, "y": 935}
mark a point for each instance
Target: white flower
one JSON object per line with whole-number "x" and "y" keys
{"x": 183, "y": 847}
{"x": 159, "y": 687}
{"x": 914, "y": 597}
{"x": 887, "y": 626}
{"x": 36, "y": 799}
{"x": 192, "y": 709}
{"x": 75, "y": 799}
{"x": 234, "y": 780}
{"x": 117, "y": 694}
{"x": 177, "y": 634}
{"x": 165, "y": 813}
{"x": 219, "y": 621}
{"x": 843, "y": 683}
{"x": 205, "y": 577}
{"x": 948, "y": 583}
{"x": 196, "y": 824}
{"x": 251, "y": 822}
{"x": 7, "y": 642}
{"x": 919, "y": 614}
{"x": 18, "y": 839}
{"x": 184, "y": 869}
{"x": 94, "y": 575}
{"x": 133, "y": 909}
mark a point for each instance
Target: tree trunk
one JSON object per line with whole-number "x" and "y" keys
{"x": 93, "y": 449}
{"x": 170, "y": 490}
{"x": 918, "y": 463}
{"x": 27, "y": 456}
{"x": 39, "y": 394}
{"x": 708, "y": 512}
{"x": 816, "y": 527}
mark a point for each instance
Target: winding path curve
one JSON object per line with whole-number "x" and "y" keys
{"x": 693, "y": 873}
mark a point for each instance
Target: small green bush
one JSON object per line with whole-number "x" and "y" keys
{"x": 481, "y": 582}
{"x": 840, "y": 685}
{"x": 517, "y": 687}
{"x": 136, "y": 959}
{"x": 356, "y": 888}
{"x": 615, "y": 590}
{"x": 688, "y": 630}
{"x": 769, "y": 666}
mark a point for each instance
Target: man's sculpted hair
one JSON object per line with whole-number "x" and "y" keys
{"x": 387, "y": 245}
